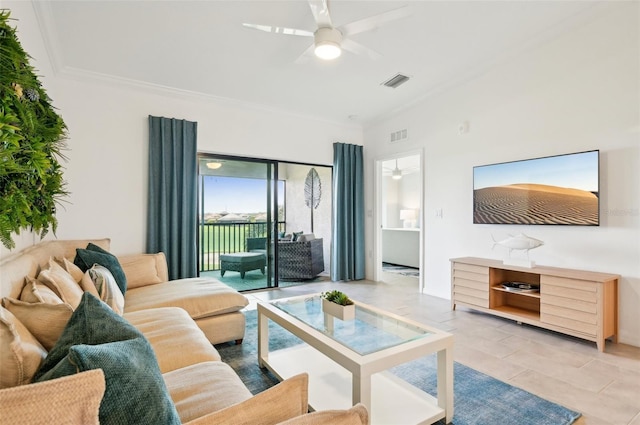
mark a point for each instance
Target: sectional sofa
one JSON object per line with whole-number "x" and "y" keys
{"x": 129, "y": 347}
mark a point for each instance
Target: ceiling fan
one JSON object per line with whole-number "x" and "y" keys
{"x": 329, "y": 41}
{"x": 397, "y": 173}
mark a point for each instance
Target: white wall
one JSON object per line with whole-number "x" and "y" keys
{"x": 108, "y": 138}
{"x": 109, "y": 143}
{"x": 578, "y": 92}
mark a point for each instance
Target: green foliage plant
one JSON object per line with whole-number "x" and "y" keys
{"x": 32, "y": 136}
{"x": 337, "y": 297}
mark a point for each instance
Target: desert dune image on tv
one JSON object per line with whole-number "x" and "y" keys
{"x": 560, "y": 190}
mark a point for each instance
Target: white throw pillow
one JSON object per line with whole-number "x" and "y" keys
{"x": 106, "y": 286}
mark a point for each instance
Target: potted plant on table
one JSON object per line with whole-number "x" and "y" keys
{"x": 338, "y": 304}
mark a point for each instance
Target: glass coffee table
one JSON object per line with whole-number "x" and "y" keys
{"x": 347, "y": 361}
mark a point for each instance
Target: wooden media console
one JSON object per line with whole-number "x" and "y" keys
{"x": 580, "y": 303}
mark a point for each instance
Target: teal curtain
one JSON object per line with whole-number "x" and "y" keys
{"x": 348, "y": 252}
{"x": 172, "y": 209}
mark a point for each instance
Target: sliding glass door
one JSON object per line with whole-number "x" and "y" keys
{"x": 241, "y": 210}
{"x": 257, "y": 214}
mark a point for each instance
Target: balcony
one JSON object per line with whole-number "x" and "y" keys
{"x": 226, "y": 238}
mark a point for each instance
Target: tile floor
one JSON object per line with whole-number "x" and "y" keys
{"x": 604, "y": 387}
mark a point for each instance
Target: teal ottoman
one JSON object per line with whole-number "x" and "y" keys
{"x": 242, "y": 262}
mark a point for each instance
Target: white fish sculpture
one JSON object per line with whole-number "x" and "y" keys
{"x": 520, "y": 242}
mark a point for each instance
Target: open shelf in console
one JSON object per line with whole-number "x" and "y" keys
{"x": 525, "y": 304}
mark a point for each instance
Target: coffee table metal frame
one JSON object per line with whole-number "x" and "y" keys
{"x": 361, "y": 367}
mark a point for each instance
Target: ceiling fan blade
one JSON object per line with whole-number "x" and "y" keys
{"x": 320, "y": 10}
{"x": 279, "y": 30}
{"x": 359, "y": 49}
{"x": 373, "y": 22}
{"x": 306, "y": 56}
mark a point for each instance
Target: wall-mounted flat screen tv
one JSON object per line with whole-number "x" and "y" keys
{"x": 560, "y": 190}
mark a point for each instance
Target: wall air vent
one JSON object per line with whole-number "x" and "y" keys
{"x": 396, "y": 80}
{"x": 399, "y": 136}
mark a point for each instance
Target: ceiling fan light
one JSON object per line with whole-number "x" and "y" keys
{"x": 327, "y": 41}
{"x": 396, "y": 174}
{"x": 327, "y": 50}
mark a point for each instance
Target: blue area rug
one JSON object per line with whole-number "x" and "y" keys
{"x": 254, "y": 279}
{"x": 478, "y": 398}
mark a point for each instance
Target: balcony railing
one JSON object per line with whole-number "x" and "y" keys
{"x": 225, "y": 238}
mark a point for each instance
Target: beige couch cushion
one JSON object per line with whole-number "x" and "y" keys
{"x": 200, "y": 297}
{"x": 44, "y": 321}
{"x": 31, "y": 260}
{"x": 77, "y": 274}
{"x": 357, "y": 415}
{"x": 203, "y": 388}
{"x": 62, "y": 283}
{"x": 223, "y": 327}
{"x": 75, "y": 271}
{"x": 20, "y": 352}
{"x": 37, "y": 292}
{"x": 72, "y": 400}
{"x": 144, "y": 269}
{"x": 290, "y": 397}
{"x": 169, "y": 329}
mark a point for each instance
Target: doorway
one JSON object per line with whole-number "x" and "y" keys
{"x": 399, "y": 230}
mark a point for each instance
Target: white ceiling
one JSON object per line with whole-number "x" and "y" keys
{"x": 201, "y": 47}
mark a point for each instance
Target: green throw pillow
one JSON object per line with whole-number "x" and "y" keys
{"x": 97, "y": 338}
{"x": 86, "y": 258}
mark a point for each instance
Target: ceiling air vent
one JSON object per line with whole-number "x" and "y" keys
{"x": 396, "y": 80}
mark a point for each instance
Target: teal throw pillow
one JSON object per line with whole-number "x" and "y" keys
{"x": 296, "y": 235}
{"x": 96, "y": 248}
{"x": 97, "y": 338}
{"x": 86, "y": 258}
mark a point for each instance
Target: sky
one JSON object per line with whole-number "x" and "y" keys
{"x": 576, "y": 171}
{"x": 237, "y": 195}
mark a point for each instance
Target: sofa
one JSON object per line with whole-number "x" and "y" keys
{"x": 299, "y": 259}
{"x": 112, "y": 354}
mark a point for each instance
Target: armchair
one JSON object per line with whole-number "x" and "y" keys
{"x": 299, "y": 260}
{"x": 256, "y": 245}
